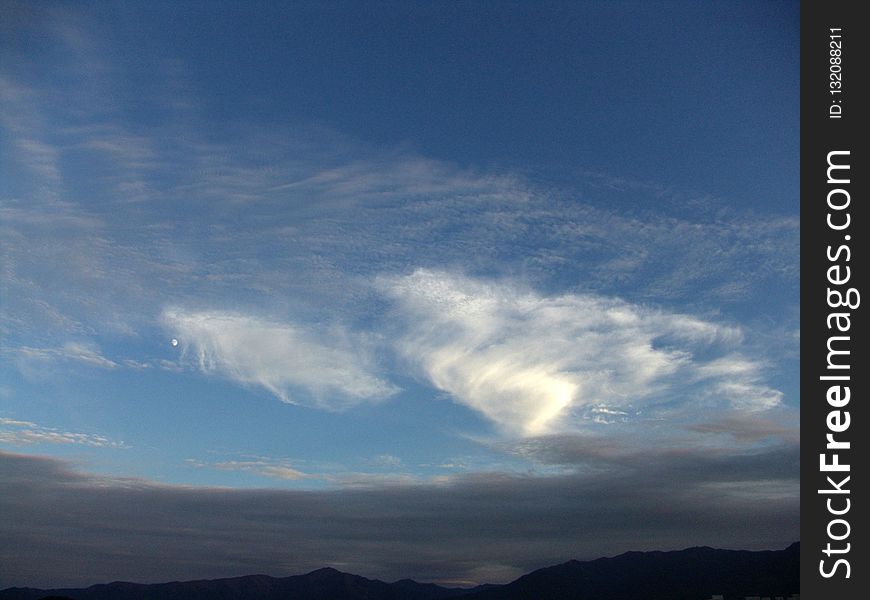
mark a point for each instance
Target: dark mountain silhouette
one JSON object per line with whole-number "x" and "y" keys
{"x": 692, "y": 574}
{"x": 322, "y": 584}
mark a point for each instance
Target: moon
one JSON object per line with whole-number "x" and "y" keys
{"x": 174, "y": 342}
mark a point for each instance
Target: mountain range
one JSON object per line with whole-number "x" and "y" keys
{"x": 691, "y": 574}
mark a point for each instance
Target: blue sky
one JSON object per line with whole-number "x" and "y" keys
{"x": 402, "y": 247}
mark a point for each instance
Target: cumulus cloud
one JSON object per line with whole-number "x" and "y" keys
{"x": 330, "y": 369}
{"x": 534, "y": 364}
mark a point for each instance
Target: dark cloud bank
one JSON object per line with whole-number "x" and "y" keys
{"x": 61, "y": 527}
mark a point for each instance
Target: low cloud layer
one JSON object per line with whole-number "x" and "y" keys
{"x": 63, "y": 527}
{"x": 533, "y": 364}
{"x": 330, "y": 369}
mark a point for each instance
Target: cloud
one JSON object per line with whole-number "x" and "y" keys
{"x": 40, "y": 158}
{"x": 15, "y": 423}
{"x": 265, "y": 467}
{"x": 66, "y": 273}
{"x": 80, "y": 352}
{"x": 388, "y": 460}
{"x": 18, "y": 433}
{"x": 460, "y": 530}
{"x": 752, "y": 428}
{"x": 397, "y": 176}
{"x": 214, "y": 206}
{"x": 581, "y": 452}
{"x": 533, "y": 364}
{"x": 329, "y": 369}
{"x": 242, "y": 213}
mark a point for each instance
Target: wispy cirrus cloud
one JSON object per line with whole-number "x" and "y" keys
{"x": 80, "y": 352}
{"x": 40, "y": 158}
{"x": 330, "y": 207}
{"x": 533, "y": 364}
{"x": 330, "y": 368}
{"x": 305, "y": 212}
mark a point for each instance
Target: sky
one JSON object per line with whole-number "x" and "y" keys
{"x": 448, "y": 291}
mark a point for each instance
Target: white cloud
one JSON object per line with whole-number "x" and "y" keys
{"x": 40, "y": 158}
{"x": 397, "y": 176}
{"x": 333, "y": 366}
{"x": 81, "y": 352}
{"x": 15, "y": 423}
{"x": 388, "y": 460}
{"x": 740, "y": 380}
{"x": 20, "y": 433}
{"x": 533, "y": 364}
{"x": 263, "y": 467}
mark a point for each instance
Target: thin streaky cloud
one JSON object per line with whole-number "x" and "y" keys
{"x": 16, "y": 423}
{"x": 82, "y": 352}
{"x": 752, "y": 428}
{"x": 22, "y": 433}
{"x": 264, "y": 467}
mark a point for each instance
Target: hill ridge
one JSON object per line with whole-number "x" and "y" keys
{"x": 693, "y": 573}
